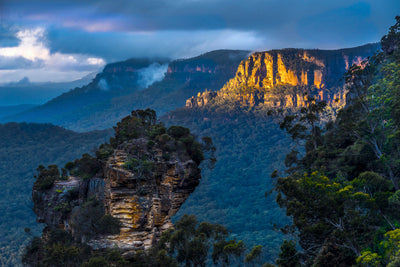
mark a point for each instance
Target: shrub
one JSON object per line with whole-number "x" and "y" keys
{"x": 46, "y": 177}
{"x": 109, "y": 225}
{"x": 177, "y": 131}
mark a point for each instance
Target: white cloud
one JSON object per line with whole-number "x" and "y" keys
{"x": 32, "y": 56}
{"x": 95, "y": 61}
{"x": 153, "y": 73}
{"x": 31, "y": 46}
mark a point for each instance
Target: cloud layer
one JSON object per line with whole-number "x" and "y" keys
{"x": 32, "y": 58}
{"x": 75, "y": 33}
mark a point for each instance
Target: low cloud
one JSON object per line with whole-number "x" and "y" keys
{"x": 32, "y": 53}
{"x": 103, "y": 85}
{"x": 153, "y": 73}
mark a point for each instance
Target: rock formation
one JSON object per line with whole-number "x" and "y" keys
{"x": 143, "y": 182}
{"x": 286, "y": 78}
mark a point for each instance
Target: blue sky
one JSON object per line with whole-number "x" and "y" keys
{"x": 48, "y": 40}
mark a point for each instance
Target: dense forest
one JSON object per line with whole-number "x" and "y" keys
{"x": 249, "y": 146}
{"x": 23, "y": 147}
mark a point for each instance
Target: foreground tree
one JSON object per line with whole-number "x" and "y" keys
{"x": 343, "y": 194}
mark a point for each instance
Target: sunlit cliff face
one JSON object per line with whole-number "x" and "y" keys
{"x": 265, "y": 70}
{"x": 285, "y": 78}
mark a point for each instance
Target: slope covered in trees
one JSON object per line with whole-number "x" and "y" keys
{"x": 343, "y": 195}
{"x": 249, "y": 145}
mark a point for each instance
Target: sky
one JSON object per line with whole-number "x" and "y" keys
{"x": 49, "y": 40}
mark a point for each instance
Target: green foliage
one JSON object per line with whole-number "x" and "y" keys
{"x": 109, "y": 225}
{"x": 96, "y": 262}
{"x": 46, "y": 177}
{"x": 143, "y": 168}
{"x": 86, "y": 167}
{"x": 61, "y": 249}
{"x": 191, "y": 242}
{"x": 288, "y": 256}
{"x": 391, "y": 42}
{"x": 178, "y": 131}
{"x": 104, "y": 151}
{"x": 342, "y": 193}
{"x": 58, "y": 250}
{"x": 64, "y": 207}
{"x": 89, "y": 219}
{"x": 254, "y": 255}
{"x": 227, "y": 252}
{"x": 133, "y": 126}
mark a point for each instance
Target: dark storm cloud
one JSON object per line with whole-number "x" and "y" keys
{"x": 157, "y": 15}
{"x": 116, "y": 46}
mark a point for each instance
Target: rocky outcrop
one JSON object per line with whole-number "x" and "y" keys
{"x": 143, "y": 182}
{"x": 201, "y": 100}
{"x": 288, "y": 77}
{"x": 145, "y": 204}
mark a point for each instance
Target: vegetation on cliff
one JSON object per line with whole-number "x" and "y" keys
{"x": 343, "y": 195}
{"x": 23, "y": 147}
{"x": 190, "y": 243}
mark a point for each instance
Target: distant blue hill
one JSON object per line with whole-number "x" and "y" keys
{"x": 14, "y": 109}
{"x": 26, "y": 92}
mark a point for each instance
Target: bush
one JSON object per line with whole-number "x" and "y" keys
{"x": 157, "y": 130}
{"x": 46, "y": 177}
{"x": 96, "y": 262}
{"x": 177, "y": 131}
{"x": 104, "y": 151}
{"x": 109, "y": 225}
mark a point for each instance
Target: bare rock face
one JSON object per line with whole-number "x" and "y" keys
{"x": 201, "y": 100}
{"x": 145, "y": 200}
{"x": 288, "y": 77}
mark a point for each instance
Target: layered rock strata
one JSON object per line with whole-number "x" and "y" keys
{"x": 287, "y": 78}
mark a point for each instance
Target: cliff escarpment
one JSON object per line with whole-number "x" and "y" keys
{"x": 125, "y": 196}
{"x": 288, "y": 77}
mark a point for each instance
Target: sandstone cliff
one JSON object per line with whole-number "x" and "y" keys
{"x": 142, "y": 179}
{"x": 285, "y": 78}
